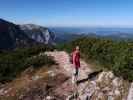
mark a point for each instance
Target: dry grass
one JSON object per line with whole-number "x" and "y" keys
{"x": 21, "y": 83}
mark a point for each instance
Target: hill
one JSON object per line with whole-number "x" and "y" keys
{"x": 38, "y": 33}
{"x": 12, "y": 36}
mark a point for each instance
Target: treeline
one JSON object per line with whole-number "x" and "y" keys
{"x": 12, "y": 63}
{"x": 113, "y": 55}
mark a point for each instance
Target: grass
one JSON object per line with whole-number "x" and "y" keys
{"x": 20, "y": 85}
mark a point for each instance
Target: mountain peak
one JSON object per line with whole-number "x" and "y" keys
{"x": 9, "y": 33}
{"x": 31, "y": 26}
{"x": 2, "y": 20}
{"x": 38, "y": 33}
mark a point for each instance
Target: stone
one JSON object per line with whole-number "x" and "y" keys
{"x": 36, "y": 77}
{"x": 100, "y": 77}
{"x": 115, "y": 82}
{"x": 2, "y": 92}
{"x": 130, "y": 94}
{"x": 111, "y": 75}
{"x": 48, "y": 98}
{"x": 51, "y": 73}
{"x": 117, "y": 92}
{"x": 110, "y": 98}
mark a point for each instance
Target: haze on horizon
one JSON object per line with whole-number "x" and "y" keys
{"x": 104, "y": 13}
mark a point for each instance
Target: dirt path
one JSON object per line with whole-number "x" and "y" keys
{"x": 34, "y": 84}
{"x": 62, "y": 58}
{"x": 104, "y": 86}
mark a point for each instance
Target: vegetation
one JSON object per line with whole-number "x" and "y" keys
{"x": 14, "y": 62}
{"x": 113, "y": 55}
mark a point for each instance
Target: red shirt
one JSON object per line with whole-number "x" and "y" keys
{"x": 76, "y": 59}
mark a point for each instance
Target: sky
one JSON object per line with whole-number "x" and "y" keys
{"x": 104, "y": 13}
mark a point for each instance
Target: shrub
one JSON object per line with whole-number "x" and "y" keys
{"x": 113, "y": 55}
{"x": 12, "y": 63}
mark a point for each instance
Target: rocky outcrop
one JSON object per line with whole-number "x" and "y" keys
{"x": 12, "y": 36}
{"x": 55, "y": 83}
{"x": 39, "y": 33}
{"x": 92, "y": 85}
{"x": 130, "y": 94}
{"x": 106, "y": 87}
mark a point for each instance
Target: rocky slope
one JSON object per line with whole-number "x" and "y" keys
{"x": 55, "y": 83}
{"x": 38, "y": 33}
{"x": 11, "y": 36}
{"x": 95, "y": 86}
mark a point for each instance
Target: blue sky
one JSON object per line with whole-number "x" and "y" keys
{"x": 114, "y": 13}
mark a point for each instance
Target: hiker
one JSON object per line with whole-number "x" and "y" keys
{"x": 75, "y": 60}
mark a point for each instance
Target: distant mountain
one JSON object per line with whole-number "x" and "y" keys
{"x": 112, "y": 33}
{"x": 66, "y": 37}
{"x": 120, "y": 36}
{"x": 97, "y": 30}
{"x": 12, "y": 36}
{"x": 38, "y": 33}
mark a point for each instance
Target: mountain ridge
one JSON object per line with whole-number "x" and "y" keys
{"x": 38, "y": 33}
{"x": 14, "y": 35}
{"x": 9, "y": 37}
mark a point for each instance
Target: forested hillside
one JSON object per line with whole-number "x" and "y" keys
{"x": 12, "y": 63}
{"x": 113, "y": 55}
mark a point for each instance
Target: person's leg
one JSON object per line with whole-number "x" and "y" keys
{"x": 77, "y": 73}
{"x": 76, "y": 84}
{"x": 73, "y": 75}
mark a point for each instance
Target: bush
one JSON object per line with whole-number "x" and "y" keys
{"x": 12, "y": 63}
{"x": 38, "y": 61}
{"x": 113, "y": 55}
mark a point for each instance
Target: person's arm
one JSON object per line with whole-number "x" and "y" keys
{"x": 74, "y": 58}
{"x": 77, "y": 59}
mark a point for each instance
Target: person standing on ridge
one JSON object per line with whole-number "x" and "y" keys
{"x": 75, "y": 60}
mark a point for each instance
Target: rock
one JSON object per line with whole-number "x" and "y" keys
{"x": 102, "y": 96}
{"x": 130, "y": 94}
{"x": 110, "y": 98}
{"x": 48, "y": 98}
{"x": 106, "y": 89}
{"x": 36, "y": 77}
{"x": 101, "y": 77}
{"x": 115, "y": 82}
{"x": 117, "y": 92}
{"x": 2, "y": 92}
{"x": 110, "y": 93}
{"x": 110, "y": 75}
{"x": 51, "y": 73}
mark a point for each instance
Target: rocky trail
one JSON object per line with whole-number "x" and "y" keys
{"x": 55, "y": 83}
{"x": 102, "y": 86}
{"x": 62, "y": 58}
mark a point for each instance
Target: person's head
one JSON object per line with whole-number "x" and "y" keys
{"x": 77, "y": 48}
